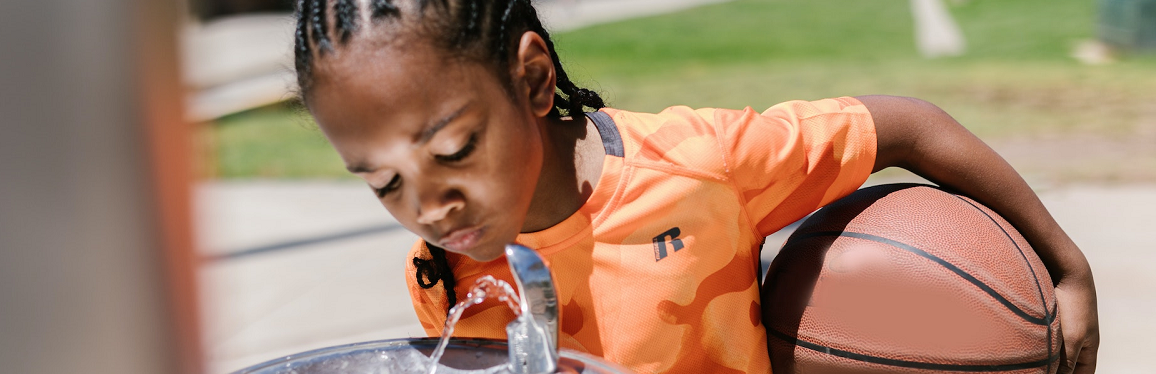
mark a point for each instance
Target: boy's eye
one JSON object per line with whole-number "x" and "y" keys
{"x": 389, "y": 187}
{"x": 462, "y": 153}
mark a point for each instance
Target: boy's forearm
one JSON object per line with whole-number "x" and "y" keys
{"x": 920, "y": 137}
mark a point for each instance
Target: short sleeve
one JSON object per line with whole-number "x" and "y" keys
{"x": 430, "y": 305}
{"x": 796, "y": 156}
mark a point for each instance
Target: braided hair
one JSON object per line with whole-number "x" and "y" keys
{"x": 484, "y": 31}
{"x": 437, "y": 268}
{"x": 481, "y": 30}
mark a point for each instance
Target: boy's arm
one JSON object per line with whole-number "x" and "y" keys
{"x": 920, "y": 137}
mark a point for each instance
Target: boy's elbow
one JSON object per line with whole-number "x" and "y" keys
{"x": 888, "y": 108}
{"x": 905, "y": 124}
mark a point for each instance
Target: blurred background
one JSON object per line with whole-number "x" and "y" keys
{"x": 268, "y": 247}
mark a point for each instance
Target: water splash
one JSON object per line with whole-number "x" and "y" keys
{"x": 485, "y": 287}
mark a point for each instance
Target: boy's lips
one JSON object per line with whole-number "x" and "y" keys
{"x": 460, "y": 240}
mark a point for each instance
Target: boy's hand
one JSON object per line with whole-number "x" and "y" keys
{"x": 1079, "y": 322}
{"x": 920, "y": 137}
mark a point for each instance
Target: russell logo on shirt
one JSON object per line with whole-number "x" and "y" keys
{"x": 661, "y": 241}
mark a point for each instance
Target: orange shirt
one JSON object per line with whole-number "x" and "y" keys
{"x": 658, "y": 271}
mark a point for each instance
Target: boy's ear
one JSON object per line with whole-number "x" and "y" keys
{"x": 534, "y": 66}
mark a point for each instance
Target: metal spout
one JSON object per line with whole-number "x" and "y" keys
{"x": 533, "y": 336}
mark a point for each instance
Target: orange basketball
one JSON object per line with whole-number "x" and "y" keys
{"x": 909, "y": 279}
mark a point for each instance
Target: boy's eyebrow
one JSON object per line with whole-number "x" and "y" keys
{"x": 428, "y": 132}
{"x": 423, "y": 137}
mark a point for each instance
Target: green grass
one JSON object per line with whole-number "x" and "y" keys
{"x": 1016, "y": 80}
{"x": 280, "y": 141}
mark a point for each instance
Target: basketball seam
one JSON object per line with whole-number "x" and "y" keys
{"x": 911, "y": 364}
{"x": 1035, "y": 277}
{"x": 1048, "y": 315}
{"x": 963, "y": 274}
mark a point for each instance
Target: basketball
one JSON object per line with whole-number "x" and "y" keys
{"x": 909, "y": 279}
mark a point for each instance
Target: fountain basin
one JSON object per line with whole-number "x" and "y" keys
{"x": 411, "y": 356}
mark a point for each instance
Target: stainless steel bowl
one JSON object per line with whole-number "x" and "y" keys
{"x": 411, "y": 356}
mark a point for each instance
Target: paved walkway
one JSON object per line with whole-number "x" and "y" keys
{"x": 306, "y": 265}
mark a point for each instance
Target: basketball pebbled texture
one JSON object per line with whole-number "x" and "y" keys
{"x": 908, "y": 278}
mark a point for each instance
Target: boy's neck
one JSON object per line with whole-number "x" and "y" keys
{"x": 572, "y": 155}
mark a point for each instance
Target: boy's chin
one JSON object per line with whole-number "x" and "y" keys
{"x": 486, "y": 253}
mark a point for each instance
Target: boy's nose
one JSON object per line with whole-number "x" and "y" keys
{"x": 434, "y": 209}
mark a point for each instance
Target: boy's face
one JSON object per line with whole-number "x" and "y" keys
{"x": 449, "y": 153}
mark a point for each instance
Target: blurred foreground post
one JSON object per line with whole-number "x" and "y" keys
{"x": 96, "y": 271}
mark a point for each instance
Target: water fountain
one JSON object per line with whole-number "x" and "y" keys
{"x": 532, "y": 347}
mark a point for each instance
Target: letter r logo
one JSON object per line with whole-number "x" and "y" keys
{"x": 661, "y": 240}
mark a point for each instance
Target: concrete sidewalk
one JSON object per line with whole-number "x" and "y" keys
{"x": 330, "y": 260}
{"x": 284, "y": 275}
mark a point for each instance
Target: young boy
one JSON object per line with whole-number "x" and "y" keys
{"x": 651, "y": 223}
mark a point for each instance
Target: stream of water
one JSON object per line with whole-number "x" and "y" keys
{"x": 484, "y": 288}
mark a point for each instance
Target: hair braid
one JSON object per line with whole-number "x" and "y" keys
{"x": 302, "y": 57}
{"x": 319, "y": 20}
{"x": 437, "y": 269}
{"x": 471, "y": 19}
{"x": 345, "y": 19}
{"x": 382, "y": 8}
{"x": 501, "y": 41}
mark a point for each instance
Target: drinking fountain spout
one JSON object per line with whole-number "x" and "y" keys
{"x": 533, "y": 336}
